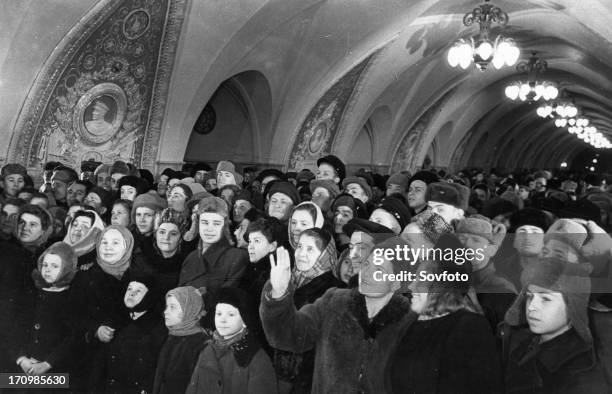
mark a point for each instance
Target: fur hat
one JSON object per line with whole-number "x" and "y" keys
{"x": 448, "y": 193}
{"x": 120, "y": 167}
{"x": 148, "y": 200}
{"x": 137, "y": 183}
{"x": 582, "y": 209}
{"x": 213, "y": 204}
{"x": 476, "y": 225}
{"x": 13, "y": 168}
{"x": 399, "y": 179}
{"x": 530, "y": 217}
{"x": 285, "y": 188}
{"x": 572, "y": 280}
{"x": 238, "y": 299}
{"x": 331, "y": 187}
{"x": 424, "y": 176}
{"x": 358, "y": 207}
{"x": 361, "y": 182}
{"x": 567, "y": 231}
{"x": 397, "y": 208}
{"x": 89, "y": 165}
{"x": 228, "y": 166}
{"x": 336, "y": 164}
{"x": 498, "y": 206}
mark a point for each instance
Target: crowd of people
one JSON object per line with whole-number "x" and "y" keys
{"x": 211, "y": 280}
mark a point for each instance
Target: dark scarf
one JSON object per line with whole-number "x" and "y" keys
{"x": 244, "y": 346}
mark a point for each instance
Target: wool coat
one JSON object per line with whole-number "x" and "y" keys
{"x": 242, "y": 367}
{"x": 351, "y": 351}
{"x": 147, "y": 258}
{"x": 565, "y": 364}
{"x": 177, "y": 360}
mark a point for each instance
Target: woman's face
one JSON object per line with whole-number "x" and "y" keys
{"x": 168, "y": 237}
{"x": 134, "y": 294}
{"x": 94, "y": 201}
{"x": 211, "y": 227}
{"x": 112, "y": 246}
{"x": 280, "y": 206}
{"x": 128, "y": 192}
{"x": 120, "y": 216}
{"x": 173, "y": 314}
{"x": 300, "y": 221}
{"x": 346, "y": 270}
{"x": 51, "y": 267}
{"x": 29, "y": 228}
{"x": 384, "y": 218}
{"x": 145, "y": 218}
{"x": 228, "y": 321}
{"x": 259, "y": 246}
{"x": 225, "y": 178}
{"x": 306, "y": 253}
{"x": 177, "y": 199}
{"x": 341, "y": 217}
{"x": 79, "y": 228}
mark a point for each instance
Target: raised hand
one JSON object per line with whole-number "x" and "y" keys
{"x": 280, "y": 272}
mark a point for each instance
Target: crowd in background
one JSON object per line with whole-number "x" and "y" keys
{"x": 218, "y": 280}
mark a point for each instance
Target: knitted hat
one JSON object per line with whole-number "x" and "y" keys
{"x": 396, "y": 208}
{"x": 153, "y": 294}
{"x": 399, "y": 179}
{"x": 572, "y": 280}
{"x": 120, "y": 167}
{"x": 213, "y": 204}
{"x": 477, "y": 226}
{"x": 149, "y": 200}
{"x": 331, "y": 187}
{"x": 530, "y": 217}
{"x": 425, "y": 176}
{"x": 180, "y": 219}
{"x": 137, "y": 183}
{"x": 360, "y": 181}
{"x": 336, "y": 164}
{"x": 192, "y": 305}
{"x": 448, "y": 193}
{"x": 567, "y": 231}
{"x": 238, "y": 299}
{"x": 228, "y": 166}
{"x": 89, "y": 165}
{"x": 357, "y": 206}
{"x": 285, "y": 188}
{"x": 67, "y": 271}
{"x": 13, "y": 168}
{"x": 65, "y": 174}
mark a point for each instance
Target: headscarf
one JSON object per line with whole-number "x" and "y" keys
{"x": 327, "y": 261}
{"x": 192, "y": 305}
{"x": 67, "y": 271}
{"x": 123, "y": 264}
{"x": 318, "y": 221}
{"x": 88, "y": 242}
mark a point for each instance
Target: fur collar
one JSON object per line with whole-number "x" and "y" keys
{"x": 393, "y": 312}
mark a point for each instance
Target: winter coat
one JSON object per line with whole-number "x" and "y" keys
{"x": 495, "y": 294}
{"x": 147, "y": 258}
{"x": 131, "y": 357}
{"x": 242, "y": 367}
{"x": 351, "y": 351}
{"x": 177, "y": 359}
{"x": 221, "y": 265}
{"x": 455, "y": 353}
{"x": 563, "y": 365}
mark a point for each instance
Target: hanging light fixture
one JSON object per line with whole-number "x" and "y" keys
{"x": 532, "y": 89}
{"x": 481, "y": 49}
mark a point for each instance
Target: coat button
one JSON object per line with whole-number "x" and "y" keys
{"x": 37, "y": 326}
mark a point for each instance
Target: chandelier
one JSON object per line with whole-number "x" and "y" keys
{"x": 562, "y": 109}
{"x": 532, "y": 89}
{"x": 481, "y": 49}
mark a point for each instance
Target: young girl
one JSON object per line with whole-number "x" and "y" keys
{"x": 548, "y": 347}
{"x": 187, "y": 338}
{"x": 49, "y": 332}
{"x": 233, "y": 361}
{"x": 132, "y": 354}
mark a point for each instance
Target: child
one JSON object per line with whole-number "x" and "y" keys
{"x": 132, "y": 355}
{"x": 49, "y": 334}
{"x": 553, "y": 351}
{"x": 178, "y": 357}
{"x": 233, "y": 361}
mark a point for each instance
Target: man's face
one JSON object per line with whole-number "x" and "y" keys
{"x": 481, "y": 194}
{"x": 360, "y": 247}
{"x": 199, "y": 176}
{"x": 60, "y": 189}
{"x": 75, "y": 193}
{"x": 394, "y": 188}
{"x": 540, "y": 184}
{"x": 12, "y": 184}
{"x": 416, "y": 194}
{"x": 326, "y": 171}
{"x": 87, "y": 176}
{"x": 528, "y": 240}
{"x": 447, "y": 211}
{"x": 355, "y": 190}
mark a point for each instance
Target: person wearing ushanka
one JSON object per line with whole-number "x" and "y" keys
{"x": 215, "y": 263}
{"x": 548, "y": 347}
{"x": 186, "y": 339}
{"x": 495, "y": 293}
{"x": 233, "y": 361}
{"x": 392, "y": 213}
{"x": 227, "y": 174}
{"x": 82, "y": 235}
{"x": 450, "y": 348}
{"x": 352, "y": 331}
{"x": 131, "y": 186}
{"x": 13, "y": 180}
{"x": 163, "y": 254}
{"x": 281, "y": 198}
{"x": 417, "y": 188}
{"x": 332, "y": 168}
{"x": 344, "y": 208}
{"x": 48, "y": 334}
{"x": 449, "y": 200}
{"x": 131, "y": 357}
{"x": 145, "y": 207}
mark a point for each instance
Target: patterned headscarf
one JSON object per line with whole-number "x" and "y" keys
{"x": 327, "y": 261}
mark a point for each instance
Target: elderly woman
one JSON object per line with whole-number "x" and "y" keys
{"x": 282, "y": 196}
{"x": 163, "y": 254}
{"x": 82, "y": 235}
